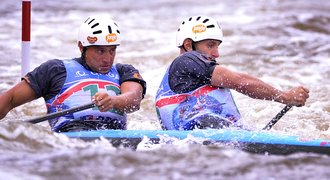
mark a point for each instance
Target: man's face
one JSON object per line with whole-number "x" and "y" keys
{"x": 100, "y": 58}
{"x": 209, "y": 47}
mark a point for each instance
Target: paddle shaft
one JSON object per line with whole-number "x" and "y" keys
{"x": 61, "y": 113}
{"x": 90, "y": 105}
{"x": 277, "y": 117}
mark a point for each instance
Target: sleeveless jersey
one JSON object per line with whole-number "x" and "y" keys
{"x": 185, "y": 111}
{"x": 79, "y": 87}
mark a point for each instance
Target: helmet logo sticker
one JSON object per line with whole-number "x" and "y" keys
{"x": 112, "y": 37}
{"x": 199, "y": 28}
{"x": 91, "y": 40}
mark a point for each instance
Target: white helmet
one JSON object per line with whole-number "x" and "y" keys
{"x": 198, "y": 28}
{"x": 97, "y": 30}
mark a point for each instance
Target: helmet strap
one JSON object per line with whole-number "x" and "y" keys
{"x": 193, "y": 45}
{"x": 83, "y": 57}
{"x": 83, "y": 54}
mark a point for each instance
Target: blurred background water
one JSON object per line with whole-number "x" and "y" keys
{"x": 285, "y": 43}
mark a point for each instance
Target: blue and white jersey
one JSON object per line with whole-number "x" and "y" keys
{"x": 79, "y": 87}
{"x": 184, "y": 111}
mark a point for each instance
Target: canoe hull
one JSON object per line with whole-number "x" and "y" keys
{"x": 251, "y": 141}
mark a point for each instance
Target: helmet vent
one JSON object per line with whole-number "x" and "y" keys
{"x": 96, "y": 24}
{"x": 110, "y": 30}
{"x": 205, "y": 20}
{"x": 190, "y": 18}
{"x": 210, "y": 26}
{"x": 118, "y": 31}
{"x": 91, "y": 21}
{"x": 97, "y": 32}
{"x": 86, "y": 20}
{"x": 198, "y": 18}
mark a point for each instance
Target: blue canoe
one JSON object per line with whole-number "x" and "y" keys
{"x": 251, "y": 141}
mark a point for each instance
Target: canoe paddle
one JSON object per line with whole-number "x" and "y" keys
{"x": 91, "y": 105}
{"x": 61, "y": 113}
{"x": 277, "y": 117}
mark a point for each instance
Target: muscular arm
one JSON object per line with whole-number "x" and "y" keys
{"x": 16, "y": 96}
{"x": 128, "y": 101}
{"x": 131, "y": 97}
{"x": 256, "y": 88}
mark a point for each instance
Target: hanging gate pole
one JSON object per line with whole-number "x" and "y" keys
{"x": 26, "y": 31}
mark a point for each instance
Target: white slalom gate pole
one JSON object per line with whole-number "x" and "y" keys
{"x": 26, "y": 31}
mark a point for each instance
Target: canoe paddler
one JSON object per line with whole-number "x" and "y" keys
{"x": 115, "y": 88}
{"x": 195, "y": 90}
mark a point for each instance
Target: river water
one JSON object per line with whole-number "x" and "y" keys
{"x": 285, "y": 43}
